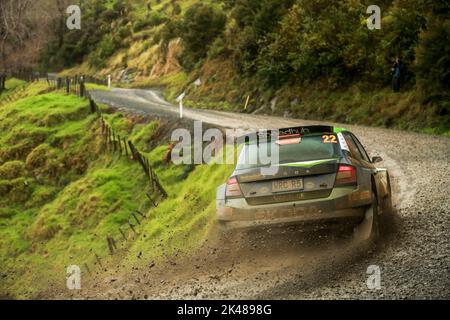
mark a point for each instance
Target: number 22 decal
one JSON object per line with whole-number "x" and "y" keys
{"x": 329, "y": 138}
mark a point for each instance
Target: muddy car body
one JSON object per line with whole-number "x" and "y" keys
{"x": 324, "y": 178}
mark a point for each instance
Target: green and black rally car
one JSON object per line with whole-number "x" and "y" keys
{"x": 324, "y": 177}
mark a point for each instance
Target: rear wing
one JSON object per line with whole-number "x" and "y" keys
{"x": 304, "y": 130}
{"x": 268, "y": 135}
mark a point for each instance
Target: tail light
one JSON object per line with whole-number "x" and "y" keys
{"x": 346, "y": 176}
{"x": 233, "y": 189}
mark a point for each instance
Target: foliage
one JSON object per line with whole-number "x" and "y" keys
{"x": 201, "y": 24}
{"x": 63, "y": 194}
{"x": 433, "y": 57}
{"x": 70, "y": 47}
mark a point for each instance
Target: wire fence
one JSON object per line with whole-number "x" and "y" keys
{"x": 113, "y": 142}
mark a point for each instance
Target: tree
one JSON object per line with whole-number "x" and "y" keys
{"x": 23, "y": 30}
{"x": 201, "y": 25}
{"x": 433, "y": 57}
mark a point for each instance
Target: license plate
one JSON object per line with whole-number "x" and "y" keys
{"x": 287, "y": 185}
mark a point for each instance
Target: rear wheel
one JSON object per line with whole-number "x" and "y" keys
{"x": 375, "y": 235}
{"x": 387, "y": 201}
{"x": 369, "y": 230}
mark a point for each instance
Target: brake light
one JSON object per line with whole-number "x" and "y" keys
{"x": 233, "y": 189}
{"x": 346, "y": 176}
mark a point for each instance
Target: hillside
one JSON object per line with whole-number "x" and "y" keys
{"x": 64, "y": 192}
{"x": 297, "y": 58}
{"x": 87, "y": 179}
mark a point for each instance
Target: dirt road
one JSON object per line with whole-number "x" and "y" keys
{"x": 414, "y": 258}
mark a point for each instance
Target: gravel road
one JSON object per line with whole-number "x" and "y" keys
{"x": 414, "y": 257}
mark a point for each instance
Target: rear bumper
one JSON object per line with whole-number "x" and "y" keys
{"x": 344, "y": 205}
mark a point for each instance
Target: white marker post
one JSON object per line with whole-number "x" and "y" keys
{"x": 180, "y": 100}
{"x": 109, "y": 81}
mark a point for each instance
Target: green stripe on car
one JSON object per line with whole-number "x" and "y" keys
{"x": 307, "y": 164}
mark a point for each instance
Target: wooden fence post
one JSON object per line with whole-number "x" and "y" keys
{"x": 130, "y": 144}
{"x": 122, "y": 233}
{"x": 67, "y": 85}
{"x": 119, "y": 141}
{"x": 125, "y": 146}
{"x": 82, "y": 89}
{"x": 141, "y": 214}
{"x": 93, "y": 106}
{"x": 98, "y": 261}
{"x": 103, "y": 125}
{"x": 87, "y": 268}
{"x": 111, "y": 245}
{"x": 151, "y": 200}
{"x": 135, "y": 218}
{"x": 131, "y": 227}
{"x": 114, "y": 140}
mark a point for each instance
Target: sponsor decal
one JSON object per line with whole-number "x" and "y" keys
{"x": 342, "y": 142}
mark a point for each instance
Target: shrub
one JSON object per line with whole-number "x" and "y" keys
{"x": 433, "y": 57}
{"x": 201, "y": 25}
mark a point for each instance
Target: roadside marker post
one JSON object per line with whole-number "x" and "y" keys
{"x": 181, "y": 108}
{"x": 246, "y": 102}
{"x": 180, "y": 101}
{"x": 109, "y": 81}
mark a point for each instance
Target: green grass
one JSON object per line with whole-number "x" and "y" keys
{"x": 12, "y": 87}
{"x": 185, "y": 219}
{"x": 63, "y": 193}
{"x": 94, "y": 86}
{"x": 14, "y": 83}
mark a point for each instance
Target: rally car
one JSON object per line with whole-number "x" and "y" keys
{"x": 324, "y": 177}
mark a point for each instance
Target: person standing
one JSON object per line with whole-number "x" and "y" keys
{"x": 396, "y": 74}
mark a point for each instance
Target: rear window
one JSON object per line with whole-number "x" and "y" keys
{"x": 311, "y": 147}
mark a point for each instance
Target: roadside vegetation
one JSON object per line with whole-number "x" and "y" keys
{"x": 297, "y": 58}
{"x": 63, "y": 194}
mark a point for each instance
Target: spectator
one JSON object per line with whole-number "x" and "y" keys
{"x": 396, "y": 74}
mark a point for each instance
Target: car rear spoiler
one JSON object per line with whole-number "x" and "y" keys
{"x": 268, "y": 134}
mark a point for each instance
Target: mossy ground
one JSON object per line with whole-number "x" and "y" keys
{"x": 63, "y": 193}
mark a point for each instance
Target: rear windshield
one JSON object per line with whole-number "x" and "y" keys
{"x": 311, "y": 147}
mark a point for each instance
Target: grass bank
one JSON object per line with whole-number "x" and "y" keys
{"x": 62, "y": 193}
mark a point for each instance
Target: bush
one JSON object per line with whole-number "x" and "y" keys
{"x": 201, "y": 25}
{"x": 433, "y": 57}
{"x": 256, "y": 20}
{"x": 157, "y": 18}
{"x": 176, "y": 9}
{"x": 318, "y": 39}
{"x": 401, "y": 28}
{"x": 217, "y": 48}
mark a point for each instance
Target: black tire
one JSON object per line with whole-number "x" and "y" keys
{"x": 376, "y": 228}
{"x": 368, "y": 232}
{"x": 387, "y": 201}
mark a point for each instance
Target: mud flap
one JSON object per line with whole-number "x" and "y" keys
{"x": 364, "y": 231}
